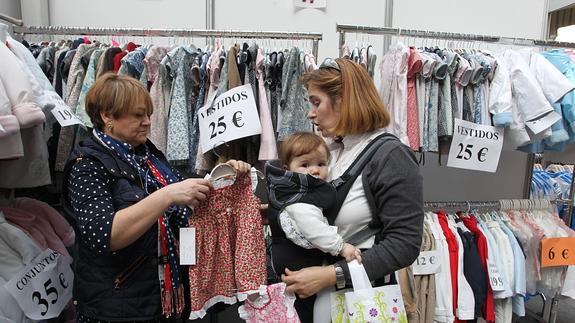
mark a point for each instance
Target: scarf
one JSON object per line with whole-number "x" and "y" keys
{"x": 155, "y": 174}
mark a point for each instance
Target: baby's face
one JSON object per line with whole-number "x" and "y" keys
{"x": 313, "y": 163}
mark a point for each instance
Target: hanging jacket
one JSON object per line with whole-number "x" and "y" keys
{"x": 294, "y": 101}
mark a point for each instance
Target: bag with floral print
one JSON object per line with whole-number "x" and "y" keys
{"x": 366, "y": 303}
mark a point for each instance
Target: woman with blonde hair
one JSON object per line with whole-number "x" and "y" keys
{"x": 384, "y": 204}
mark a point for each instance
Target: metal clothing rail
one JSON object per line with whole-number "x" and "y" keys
{"x": 12, "y": 20}
{"x": 151, "y": 32}
{"x": 343, "y": 29}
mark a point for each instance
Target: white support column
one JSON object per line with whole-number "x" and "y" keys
{"x": 35, "y": 12}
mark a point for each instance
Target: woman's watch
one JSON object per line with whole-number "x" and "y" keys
{"x": 339, "y": 276}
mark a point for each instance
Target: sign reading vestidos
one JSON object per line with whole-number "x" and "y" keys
{"x": 475, "y": 146}
{"x": 231, "y": 116}
{"x": 44, "y": 287}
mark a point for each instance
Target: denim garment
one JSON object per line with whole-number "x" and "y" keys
{"x": 294, "y": 98}
{"x": 179, "y": 61}
{"x": 133, "y": 62}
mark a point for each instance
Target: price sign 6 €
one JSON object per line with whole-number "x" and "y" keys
{"x": 230, "y": 116}
{"x": 427, "y": 263}
{"x": 475, "y": 146}
{"x": 557, "y": 252}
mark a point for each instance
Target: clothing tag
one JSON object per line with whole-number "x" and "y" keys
{"x": 44, "y": 287}
{"x": 427, "y": 263}
{"x": 65, "y": 116}
{"x": 232, "y": 115}
{"x": 475, "y": 146}
{"x": 543, "y": 123}
{"x": 187, "y": 246}
{"x": 495, "y": 279}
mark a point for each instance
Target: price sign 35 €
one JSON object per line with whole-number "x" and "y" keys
{"x": 231, "y": 116}
{"x": 475, "y": 146}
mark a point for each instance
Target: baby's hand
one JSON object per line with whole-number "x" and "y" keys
{"x": 350, "y": 253}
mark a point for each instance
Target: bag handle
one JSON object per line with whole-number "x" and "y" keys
{"x": 359, "y": 278}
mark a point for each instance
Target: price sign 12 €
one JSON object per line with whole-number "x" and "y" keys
{"x": 231, "y": 116}
{"x": 475, "y": 146}
{"x": 427, "y": 263}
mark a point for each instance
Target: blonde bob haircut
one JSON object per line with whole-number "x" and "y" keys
{"x": 116, "y": 96}
{"x": 361, "y": 107}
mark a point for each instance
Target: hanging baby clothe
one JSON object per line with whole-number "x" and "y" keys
{"x": 230, "y": 247}
{"x": 273, "y": 304}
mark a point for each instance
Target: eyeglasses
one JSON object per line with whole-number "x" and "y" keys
{"x": 330, "y": 63}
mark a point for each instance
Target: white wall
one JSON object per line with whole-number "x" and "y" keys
{"x": 128, "y": 13}
{"x": 511, "y": 18}
{"x": 11, "y": 8}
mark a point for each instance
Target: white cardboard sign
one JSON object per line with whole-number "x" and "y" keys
{"x": 475, "y": 146}
{"x": 231, "y": 116}
{"x": 64, "y": 115}
{"x": 427, "y": 263}
{"x": 44, "y": 287}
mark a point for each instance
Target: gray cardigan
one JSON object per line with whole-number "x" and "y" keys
{"x": 394, "y": 190}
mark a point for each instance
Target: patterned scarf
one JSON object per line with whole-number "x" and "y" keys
{"x": 155, "y": 174}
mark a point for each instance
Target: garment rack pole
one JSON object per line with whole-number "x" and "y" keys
{"x": 146, "y": 32}
{"x": 12, "y": 20}
{"x": 342, "y": 29}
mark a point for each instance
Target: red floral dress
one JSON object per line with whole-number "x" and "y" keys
{"x": 230, "y": 247}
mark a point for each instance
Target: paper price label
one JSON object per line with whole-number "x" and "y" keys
{"x": 65, "y": 116}
{"x": 44, "y": 287}
{"x": 475, "y": 146}
{"x": 427, "y": 263}
{"x": 557, "y": 252}
{"x": 231, "y": 116}
{"x": 187, "y": 246}
{"x": 495, "y": 279}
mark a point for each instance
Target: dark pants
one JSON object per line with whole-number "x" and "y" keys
{"x": 304, "y": 308}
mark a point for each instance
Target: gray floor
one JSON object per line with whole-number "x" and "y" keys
{"x": 565, "y": 314}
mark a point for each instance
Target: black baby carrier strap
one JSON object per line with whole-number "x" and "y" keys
{"x": 344, "y": 183}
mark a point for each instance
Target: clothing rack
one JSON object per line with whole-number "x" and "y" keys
{"x": 520, "y": 204}
{"x": 343, "y": 29}
{"x": 151, "y": 32}
{"x": 12, "y": 20}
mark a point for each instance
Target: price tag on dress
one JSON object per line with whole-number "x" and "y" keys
{"x": 65, "y": 116}
{"x": 475, "y": 146}
{"x": 557, "y": 252}
{"x": 231, "y": 116}
{"x": 187, "y": 246}
{"x": 495, "y": 280}
{"x": 44, "y": 287}
{"x": 427, "y": 263}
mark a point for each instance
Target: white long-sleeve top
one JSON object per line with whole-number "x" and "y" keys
{"x": 305, "y": 225}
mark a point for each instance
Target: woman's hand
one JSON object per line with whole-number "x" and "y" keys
{"x": 308, "y": 281}
{"x": 188, "y": 192}
{"x": 241, "y": 167}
